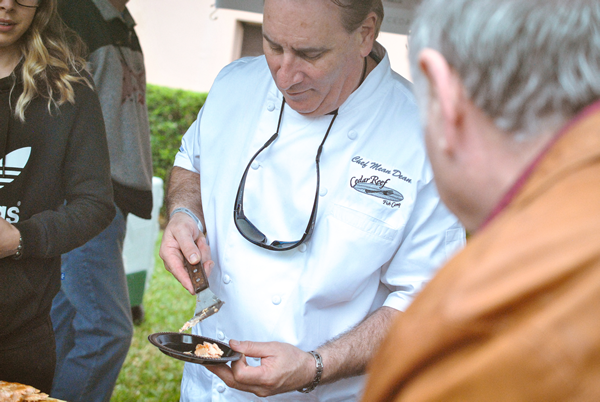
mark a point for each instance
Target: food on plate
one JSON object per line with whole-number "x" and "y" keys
{"x": 207, "y": 349}
{"x": 15, "y": 392}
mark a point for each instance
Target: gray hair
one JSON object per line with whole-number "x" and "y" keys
{"x": 354, "y": 12}
{"x": 530, "y": 65}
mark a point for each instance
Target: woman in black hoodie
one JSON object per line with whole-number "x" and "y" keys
{"x": 55, "y": 190}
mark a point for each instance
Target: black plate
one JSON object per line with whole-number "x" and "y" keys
{"x": 173, "y": 344}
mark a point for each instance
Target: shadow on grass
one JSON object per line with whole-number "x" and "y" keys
{"x": 147, "y": 374}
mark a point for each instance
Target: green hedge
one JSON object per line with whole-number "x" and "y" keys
{"x": 170, "y": 112}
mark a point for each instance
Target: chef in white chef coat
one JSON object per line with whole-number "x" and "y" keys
{"x": 319, "y": 235}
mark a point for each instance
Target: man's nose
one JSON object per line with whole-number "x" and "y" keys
{"x": 289, "y": 73}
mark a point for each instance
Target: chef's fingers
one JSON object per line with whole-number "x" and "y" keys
{"x": 257, "y": 380}
{"x": 226, "y": 373}
{"x": 283, "y": 367}
{"x": 205, "y": 255}
{"x": 171, "y": 253}
{"x": 185, "y": 231}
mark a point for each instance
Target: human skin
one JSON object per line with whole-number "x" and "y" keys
{"x": 15, "y": 20}
{"x": 314, "y": 61}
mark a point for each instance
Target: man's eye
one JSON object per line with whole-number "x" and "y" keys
{"x": 311, "y": 56}
{"x": 275, "y": 49}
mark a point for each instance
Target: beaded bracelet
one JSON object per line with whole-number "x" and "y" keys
{"x": 19, "y": 253}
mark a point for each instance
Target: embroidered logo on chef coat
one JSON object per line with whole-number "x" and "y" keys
{"x": 376, "y": 185}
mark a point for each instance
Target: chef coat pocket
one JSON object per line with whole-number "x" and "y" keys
{"x": 364, "y": 222}
{"x": 350, "y": 248}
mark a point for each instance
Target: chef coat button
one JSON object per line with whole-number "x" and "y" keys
{"x": 226, "y": 279}
{"x": 220, "y": 388}
{"x": 352, "y": 134}
{"x": 276, "y": 300}
{"x": 270, "y": 106}
{"x": 220, "y": 335}
{"x": 255, "y": 165}
{"x": 323, "y": 191}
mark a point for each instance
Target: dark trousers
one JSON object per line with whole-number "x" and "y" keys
{"x": 29, "y": 356}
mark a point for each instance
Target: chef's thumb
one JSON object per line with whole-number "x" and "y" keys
{"x": 248, "y": 348}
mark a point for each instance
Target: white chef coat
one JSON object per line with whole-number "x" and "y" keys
{"x": 365, "y": 251}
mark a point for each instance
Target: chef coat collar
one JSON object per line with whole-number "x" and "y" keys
{"x": 371, "y": 88}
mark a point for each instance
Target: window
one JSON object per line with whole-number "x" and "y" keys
{"x": 252, "y": 40}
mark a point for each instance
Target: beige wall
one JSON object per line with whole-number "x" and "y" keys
{"x": 187, "y": 42}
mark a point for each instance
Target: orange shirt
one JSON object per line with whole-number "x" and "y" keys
{"x": 515, "y": 316}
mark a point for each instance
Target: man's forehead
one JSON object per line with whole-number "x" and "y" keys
{"x": 319, "y": 15}
{"x": 300, "y": 2}
{"x": 275, "y": 5}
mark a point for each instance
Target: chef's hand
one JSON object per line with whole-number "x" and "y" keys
{"x": 9, "y": 238}
{"x": 283, "y": 368}
{"x": 183, "y": 238}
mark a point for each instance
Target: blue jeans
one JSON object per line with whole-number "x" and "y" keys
{"x": 91, "y": 317}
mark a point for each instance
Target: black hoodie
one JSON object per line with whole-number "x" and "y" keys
{"x": 55, "y": 188}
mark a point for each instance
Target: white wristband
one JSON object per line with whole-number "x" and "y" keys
{"x": 191, "y": 214}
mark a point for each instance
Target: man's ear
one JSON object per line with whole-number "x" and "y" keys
{"x": 445, "y": 96}
{"x": 367, "y": 34}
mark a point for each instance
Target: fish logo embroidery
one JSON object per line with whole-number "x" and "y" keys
{"x": 374, "y": 190}
{"x": 376, "y": 187}
{"x": 13, "y": 164}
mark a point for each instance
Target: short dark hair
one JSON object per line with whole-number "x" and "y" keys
{"x": 354, "y": 12}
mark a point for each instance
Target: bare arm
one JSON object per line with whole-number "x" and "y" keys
{"x": 184, "y": 191}
{"x": 348, "y": 354}
{"x": 286, "y": 368}
{"x": 181, "y": 236}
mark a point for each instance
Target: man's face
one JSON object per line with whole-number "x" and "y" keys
{"x": 314, "y": 61}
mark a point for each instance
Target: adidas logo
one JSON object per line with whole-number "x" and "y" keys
{"x": 13, "y": 164}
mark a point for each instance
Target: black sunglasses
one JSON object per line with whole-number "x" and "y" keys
{"x": 247, "y": 229}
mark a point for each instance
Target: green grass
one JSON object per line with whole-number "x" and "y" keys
{"x": 147, "y": 374}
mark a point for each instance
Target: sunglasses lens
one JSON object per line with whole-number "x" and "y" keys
{"x": 249, "y": 230}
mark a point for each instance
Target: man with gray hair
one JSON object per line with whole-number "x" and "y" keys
{"x": 344, "y": 181}
{"x": 510, "y": 93}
